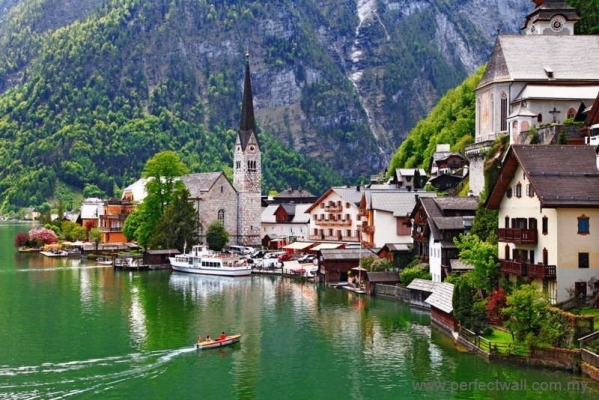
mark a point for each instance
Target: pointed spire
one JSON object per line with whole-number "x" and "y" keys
{"x": 247, "y": 107}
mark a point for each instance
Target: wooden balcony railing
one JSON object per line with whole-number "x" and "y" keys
{"x": 520, "y": 268}
{"x": 518, "y": 236}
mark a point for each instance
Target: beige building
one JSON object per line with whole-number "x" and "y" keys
{"x": 548, "y": 202}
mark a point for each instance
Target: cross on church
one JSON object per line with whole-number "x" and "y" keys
{"x": 554, "y": 112}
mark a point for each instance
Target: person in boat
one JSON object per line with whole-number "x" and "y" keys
{"x": 200, "y": 339}
{"x": 222, "y": 336}
{"x": 208, "y": 339}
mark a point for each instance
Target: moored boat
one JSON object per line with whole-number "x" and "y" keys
{"x": 55, "y": 253}
{"x": 209, "y": 344}
{"x": 203, "y": 261}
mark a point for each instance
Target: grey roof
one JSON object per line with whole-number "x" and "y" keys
{"x": 458, "y": 265}
{"x": 449, "y": 223}
{"x": 344, "y": 254}
{"x": 399, "y": 246}
{"x": 441, "y": 297}
{"x": 163, "y": 251}
{"x": 268, "y": 214}
{"x": 513, "y": 58}
{"x": 561, "y": 176}
{"x": 400, "y": 203}
{"x": 201, "y": 182}
{"x": 423, "y": 285}
{"x": 437, "y": 208}
{"x": 351, "y": 193}
{"x": 390, "y": 277}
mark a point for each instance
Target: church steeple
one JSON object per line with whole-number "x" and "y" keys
{"x": 248, "y": 123}
{"x": 551, "y": 17}
{"x": 247, "y": 169}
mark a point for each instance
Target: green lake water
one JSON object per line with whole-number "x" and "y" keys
{"x": 73, "y": 329}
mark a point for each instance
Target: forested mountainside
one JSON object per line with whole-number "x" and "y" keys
{"x": 91, "y": 90}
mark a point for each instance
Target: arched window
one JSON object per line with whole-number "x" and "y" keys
{"x": 221, "y": 216}
{"x": 571, "y": 113}
{"x": 503, "y": 111}
{"x": 540, "y": 118}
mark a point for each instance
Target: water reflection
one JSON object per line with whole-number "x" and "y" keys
{"x": 203, "y": 286}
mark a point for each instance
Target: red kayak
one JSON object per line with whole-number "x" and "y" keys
{"x": 209, "y": 344}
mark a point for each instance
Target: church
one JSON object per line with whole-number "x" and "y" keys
{"x": 236, "y": 205}
{"x": 537, "y": 79}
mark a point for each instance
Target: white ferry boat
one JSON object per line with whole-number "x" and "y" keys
{"x": 206, "y": 262}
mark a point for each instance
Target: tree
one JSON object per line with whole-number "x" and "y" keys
{"x": 178, "y": 226}
{"x": 162, "y": 173}
{"x": 95, "y": 236}
{"x": 411, "y": 273}
{"x": 43, "y": 235}
{"x": 527, "y": 308}
{"x": 217, "y": 236}
{"x": 468, "y": 307}
{"x": 21, "y": 239}
{"x": 483, "y": 256}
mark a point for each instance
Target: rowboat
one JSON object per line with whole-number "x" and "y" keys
{"x": 209, "y": 344}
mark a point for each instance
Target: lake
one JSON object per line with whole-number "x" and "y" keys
{"x": 73, "y": 329}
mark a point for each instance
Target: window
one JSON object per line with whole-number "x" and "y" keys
{"x": 545, "y": 257}
{"x": 503, "y": 112}
{"x": 507, "y": 222}
{"x": 583, "y": 260}
{"x": 571, "y": 113}
{"x": 532, "y": 224}
{"x": 518, "y": 190}
{"x": 545, "y": 225}
{"x": 508, "y": 193}
{"x": 583, "y": 225}
{"x": 507, "y": 252}
{"x": 529, "y": 190}
{"x": 221, "y": 216}
{"x": 540, "y": 118}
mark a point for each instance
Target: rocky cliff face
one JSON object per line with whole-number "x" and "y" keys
{"x": 342, "y": 81}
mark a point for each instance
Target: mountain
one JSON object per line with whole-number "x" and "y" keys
{"x": 91, "y": 90}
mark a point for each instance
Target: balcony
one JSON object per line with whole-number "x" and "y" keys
{"x": 520, "y": 268}
{"x": 333, "y": 207}
{"x": 367, "y": 229}
{"x": 518, "y": 236}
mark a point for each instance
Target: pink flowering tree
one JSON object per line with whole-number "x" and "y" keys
{"x": 43, "y": 235}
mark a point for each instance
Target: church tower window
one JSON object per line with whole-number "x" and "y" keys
{"x": 503, "y": 112}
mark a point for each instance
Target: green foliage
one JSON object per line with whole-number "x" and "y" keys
{"x": 95, "y": 236}
{"x": 486, "y": 224}
{"x": 217, "y": 236}
{"x": 468, "y": 308}
{"x": 72, "y": 231}
{"x": 410, "y": 273}
{"x": 179, "y": 225}
{"x": 483, "y": 256}
{"x": 162, "y": 172}
{"x": 527, "y": 312}
{"x": 451, "y": 121}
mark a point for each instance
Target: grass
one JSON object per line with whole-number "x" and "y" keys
{"x": 586, "y": 311}
{"x": 499, "y": 335}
